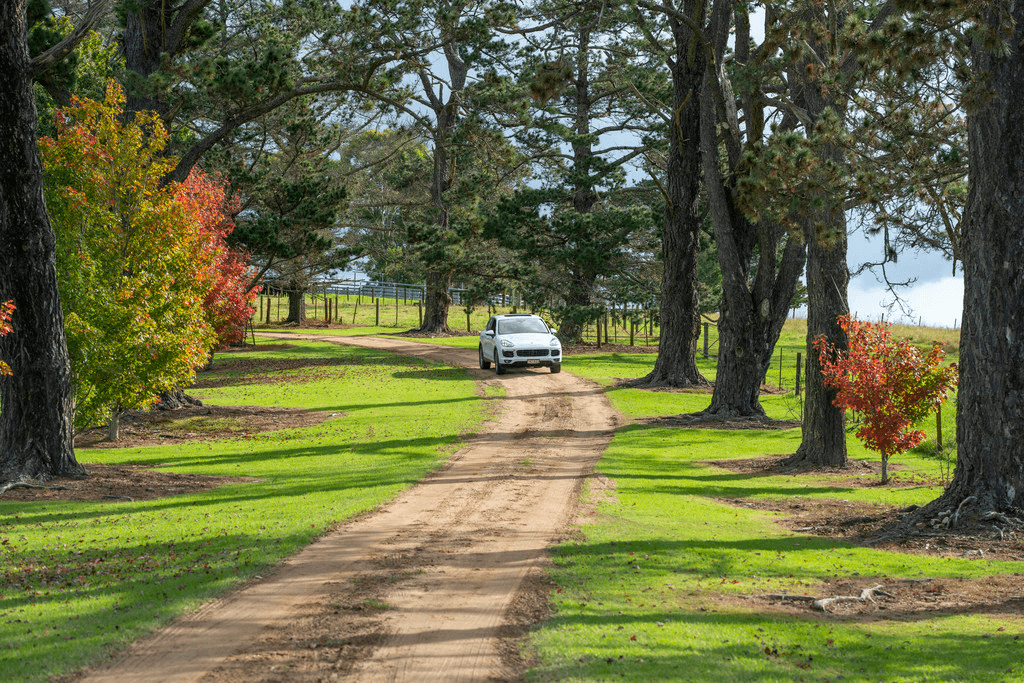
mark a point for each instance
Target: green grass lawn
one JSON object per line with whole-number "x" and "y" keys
{"x": 80, "y": 579}
{"x": 651, "y": 588}
{"x": 638, "y": 588}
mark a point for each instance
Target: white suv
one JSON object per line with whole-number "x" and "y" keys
{"x": 519, "y": 340}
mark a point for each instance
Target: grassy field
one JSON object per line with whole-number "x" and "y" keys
{"x": 646, "y": 591}
{"x": 79, "y": 579}
{"x": 351, "y": 314}
{"x": 657, "y": 585}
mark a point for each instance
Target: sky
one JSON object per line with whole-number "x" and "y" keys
{"x": 935, "y": 299}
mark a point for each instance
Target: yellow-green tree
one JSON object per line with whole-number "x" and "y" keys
{"x": 133, "y": 263}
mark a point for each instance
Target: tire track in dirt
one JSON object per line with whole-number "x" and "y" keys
{"x": 421, "y": 589}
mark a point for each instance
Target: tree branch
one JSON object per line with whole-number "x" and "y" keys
{"x": 45, "y": 61}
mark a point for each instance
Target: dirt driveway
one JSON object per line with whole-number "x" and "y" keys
{"x": 428, "y": 588}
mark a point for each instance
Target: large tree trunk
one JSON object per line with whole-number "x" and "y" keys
{"x": 990, "y": 401}
{"x": 824, "y": 228}
{"x": 748, "y": 330}
{"x": 439, "y": 271}
{"x": 676, "y": 365}
{"x": 36, "y": 433}
{"x": 578, "y": 300}
{"x": 579, "y": 294}
{"x": 438, "y": 301}
{"x": 296, "y": 305}
{"x": 754, "y": 303}
{"x": 824, "y": 433}
{"x": 143, "y": 45}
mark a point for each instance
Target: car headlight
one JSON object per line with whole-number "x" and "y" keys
{"x": 554, "y": 342}
{"x": 506, "y": 343}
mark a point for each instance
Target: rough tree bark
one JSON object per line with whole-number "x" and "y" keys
{"x": 438, "y": 302}
{"x": 757, "y": 281}
{"x": 439, "y": 274}
{"x": 582, "y": 279}
{"x": 676, "y": 365}
{"x": 154, "y": 33}
{"x": 296, "y": 305}
{"x": 990, "y": 400}
{"x": 36, "y": 433}
{"x": 823, "y": 443}
{"x": 824, "y": 227}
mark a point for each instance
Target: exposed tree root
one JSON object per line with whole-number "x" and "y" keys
{"x": 940, "y": 517}
{"x": 23, "y": 484}
{"x": 822, "y": 604}
{"x": 175, "y": 399}
{"x": 662, "y": 382}
{"x": 866, "y": 595}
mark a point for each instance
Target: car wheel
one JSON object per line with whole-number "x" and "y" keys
{"x": 498, "y": 369}
{"x": 484, "y": 363}
{"x": 556, "y": 368}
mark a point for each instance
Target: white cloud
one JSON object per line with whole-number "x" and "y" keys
{"x": 933, "y": 303}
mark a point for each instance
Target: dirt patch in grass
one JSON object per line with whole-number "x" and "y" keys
{"x": 700, "y": 421}
{"x": 128, "y": 482}
{"x": 120, "y": 483}
{"x": 857, "y": 474}
{"x": 162, "y": 427}
{"x": 579, "y": 349}
{"x": 897, "y": 599}
{"x": 862, "y": 524}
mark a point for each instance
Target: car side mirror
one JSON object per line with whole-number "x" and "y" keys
{"x": 489, "y": 333}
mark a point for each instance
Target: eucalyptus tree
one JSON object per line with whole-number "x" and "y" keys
{"x": 36, "y": 422}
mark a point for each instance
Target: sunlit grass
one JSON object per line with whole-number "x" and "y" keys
{"x": 79, "y": 579}
{"x": 652, "y": 587}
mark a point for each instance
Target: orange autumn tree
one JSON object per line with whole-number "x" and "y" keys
{"x": 6, "y": 309}
{"x": 134, "y": 265}
{"x": 889, "y": 381}
{"x": 229, "y": 298}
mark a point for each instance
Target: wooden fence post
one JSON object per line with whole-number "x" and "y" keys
{"x": 799, "y": 363}
{"x": 377, "y": 304}
{"x": 706, "y": 326}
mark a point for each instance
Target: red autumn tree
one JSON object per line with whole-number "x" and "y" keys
{"x": 229, "y": 299}
{"x": 889, "y": 381}
{"x": 6, "y": 309}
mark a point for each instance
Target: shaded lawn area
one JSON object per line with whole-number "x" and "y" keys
{"x": 78, "y": 579}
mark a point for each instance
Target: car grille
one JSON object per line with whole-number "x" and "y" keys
{"x": 532, "y": 353}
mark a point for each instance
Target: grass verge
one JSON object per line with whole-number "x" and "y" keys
{"x": 80, "y": 579}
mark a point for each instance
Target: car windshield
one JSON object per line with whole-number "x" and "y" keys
{"x": 522, "y": 326}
